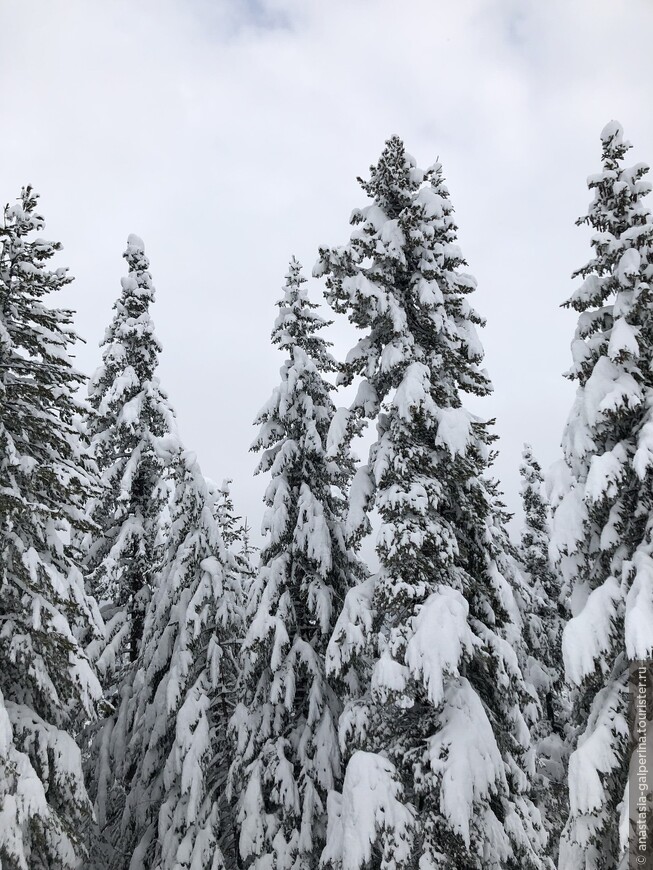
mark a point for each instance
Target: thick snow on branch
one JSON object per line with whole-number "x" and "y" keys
{"x": 639, "y": 609}
{"x": 588, "y": 637}
{"x": 442, "y": 638}
{"x": 369, "y": 817}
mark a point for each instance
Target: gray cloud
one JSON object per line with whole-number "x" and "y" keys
{"x": 229, "y": 135}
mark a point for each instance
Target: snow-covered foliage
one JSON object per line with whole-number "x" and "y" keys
{"x": 535, "y": 536}
{"x": 543, "y": 620}
{"x": 235, "y": 533}
{"x": 133, "y": 440}
{"x": 48, "y": 689}
{"x": 440, "y": 728}
{"x": 603, "y": 523}
{"x": 292, "y": 712}
{"x": 168, "y": 741}
{"x": 132, "y": 416}
{"x": 370, "y": 809}
{"x": 287, "y": 757}
{"x": 225, "y": 516}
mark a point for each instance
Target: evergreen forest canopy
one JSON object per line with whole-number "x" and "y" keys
{"x": 173, "y": 699}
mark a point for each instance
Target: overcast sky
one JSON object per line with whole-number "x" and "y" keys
{"x": 229, "y": 135}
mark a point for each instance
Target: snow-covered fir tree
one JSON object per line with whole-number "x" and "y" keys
{"x": 535, "y": 536}
{"x": 131, "y": 432}
{"x": 48, "y": 689}
{"x": 439, "y": 755}
{"x": 544, "y": 623}
{"x": 603, "y": 523}
{"x": 286, "y": 726}
{"x": 235, "y": 534}
{"x": 247, "y": 555}
{"x": 174, "y": 741}
{"x": 131, "y": 414}
{"x": 225, "y": 514}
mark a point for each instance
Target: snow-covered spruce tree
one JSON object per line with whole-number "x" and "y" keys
{"x": 131, "y": 414}
{"x": 286, "y": 726}
{"x": 177, "y": 814}
{"x": 47, "y": 688}
{"x": 235, "y": 534}
{"x": 544, "y": 624}
{"x": 440, "y": 762}
{"x": 535, "y": 536}
{"x": 603, "y": 524}
{"x": 247, "y": 557}
{"x": 247, "y": 549}
{"x": 132, "y": 419}
{"x": 225, "y": 515}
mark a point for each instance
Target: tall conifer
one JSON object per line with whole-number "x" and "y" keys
{"x": 439, "y": 751}
{"x": 132, "y": 439}
{"x": 286, "y": 727}
{"x": 132, "y": 414}
{"x": 603, "y": 524}
{"x": 544, "y": 624}
{"x": 48, "y": 689}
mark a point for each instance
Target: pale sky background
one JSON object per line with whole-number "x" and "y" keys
{"x": 229, "y": 135}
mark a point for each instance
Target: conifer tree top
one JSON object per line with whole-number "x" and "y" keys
{"x": 298, "y": 321}
{"x": 400, "y": 278}
{"x": 37, "y": 379}
{"x": 394, "y": 178}
{"x": 619, "y": 216}
{"x": 125, "y": 389}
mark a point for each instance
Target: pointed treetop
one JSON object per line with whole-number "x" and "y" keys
{"x": 131, "y": 347}
{"x": 617, "y": 209}
{"x": 400, "y": 276}
{"x": 614, "y": 146}
{"x": 394, "y": 179}
{"x": 139, "y": 280}
{"x": 293, "y": 288}
{"x": 298, "y": 321}
{"x": 135, "y": 242}
{"x": 530, "y": 467}
{"x": 23, "y": 216}
{"x": 535, "y": 534}
{"x": 612, "y": 136}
